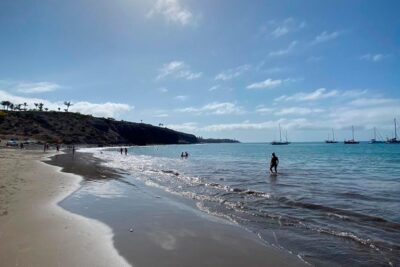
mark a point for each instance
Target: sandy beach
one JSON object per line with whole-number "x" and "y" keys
{"x": 34, "y": 230}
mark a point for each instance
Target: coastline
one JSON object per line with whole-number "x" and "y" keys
{"x": 34, "y": 229}
{"x": 148, "y": 221}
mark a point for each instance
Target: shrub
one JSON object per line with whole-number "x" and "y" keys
{"x": 2, "y": 115}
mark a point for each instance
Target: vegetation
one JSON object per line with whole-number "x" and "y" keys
{"x": 67, "y": 127}
{"x": 40, "y": 123}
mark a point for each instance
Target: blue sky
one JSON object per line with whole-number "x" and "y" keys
{"x": 233, "y": 69}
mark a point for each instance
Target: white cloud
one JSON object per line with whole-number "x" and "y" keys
{"x": 367, "y": 115}
{"x": 353, "y": 93}
{"x": 181, "y": 97}
{"x": 374, "y": 57}
{"x": 325, "y": 36}
{"x": 298, "y": 111}
{"x": 268, "y": 83}
{"x": 318, "y": 94}
{"x": 172, "y": 11}
{"x": 298, "y": 123}
{"x": 162, "y": 115}
{"x": 177, "y": 69}
{"x": 216, "y": 108}
{"x": 262, "y": 110}
{"x": 185, "y": 127}
{"x": 232, "y": 73}
{"x": 288, "y": 25}
{"x": 107, "y": 109}
{"x": 213, "y": 88}
{"x": 38, "y": 87}
{"x": 285, "y": 51}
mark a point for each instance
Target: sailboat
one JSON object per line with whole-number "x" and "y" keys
{"x": 394, "y": 140}
{"x": 280, "y": 142}
{"x": 374, "y": 140}
{"x": 333, "y": 141}
{"x": 352, "y": 141}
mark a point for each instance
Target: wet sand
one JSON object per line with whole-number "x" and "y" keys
{"x": 34, "y": 230}
{"x": 154, "y": 228}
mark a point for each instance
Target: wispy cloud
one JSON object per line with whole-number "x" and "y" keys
{"x": 325, "y": 36}
{"x": 172, "y": 11}
{"x": 232, "y": 73}
{"x": 107, "y": 109}
{"x": 161, "y": 115}
{"x": 318, "y": 94}
{"x": 181, "y": 97}
{"x": 374, "y": 57}
{"x": 263, "y": 110}
{"x": 185, "y": 127}
{"x": 38, "y": 87}
{"x": 298, "y": 111}
{"x": 286, "y": 26}
{"x": 266, "y": 84}
{"x": 177, "y": 69}
{"x": 213, "y": 88}
{"x": 215, "y": 108}
{"x": 366, "y": 113}
{"x": 284, "y": 51}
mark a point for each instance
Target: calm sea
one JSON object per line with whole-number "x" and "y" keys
{"x": 330, "y": 204}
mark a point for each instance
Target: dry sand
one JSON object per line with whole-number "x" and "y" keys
{"x": 34, "y": 230}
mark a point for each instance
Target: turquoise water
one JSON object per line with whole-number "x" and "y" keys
{"x": 330, "y": 204}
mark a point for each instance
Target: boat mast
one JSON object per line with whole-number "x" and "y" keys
{"x": 375, "y": 133}
{"x": 333, "y": 135}
{"x": 395, "y": 129}
{"x": 352, "y": 130}
{"x": 280, "y": 134}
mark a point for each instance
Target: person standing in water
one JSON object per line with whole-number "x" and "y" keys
{"x": 274, "y": 163}
{"x": 126, "y": 151}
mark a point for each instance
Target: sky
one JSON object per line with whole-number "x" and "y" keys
{"x": 214, "y": 68}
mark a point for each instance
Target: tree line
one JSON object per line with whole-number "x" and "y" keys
{"x": 8, "y": 105}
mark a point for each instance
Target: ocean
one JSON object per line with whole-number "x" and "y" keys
{"x": 330, "y": 204}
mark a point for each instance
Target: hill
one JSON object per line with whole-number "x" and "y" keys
{"x": 75, "y": 128}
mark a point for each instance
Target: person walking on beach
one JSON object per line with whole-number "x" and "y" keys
{"x": 274, "y": 163}
{"x": 126, "y": 151}
{"x": 120, "y": 150}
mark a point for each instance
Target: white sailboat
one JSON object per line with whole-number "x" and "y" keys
{"x": 351, "y": 141}
{"x": 280, "y": 142}
{"x": 333, "y": 141}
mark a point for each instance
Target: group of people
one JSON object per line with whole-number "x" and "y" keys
{"x": 123, "y": 150}
{"x": 184, "y": 154}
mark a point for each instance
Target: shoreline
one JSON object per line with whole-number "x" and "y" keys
{"x": 148, "y": 221}
{"x": 34, "y": 229}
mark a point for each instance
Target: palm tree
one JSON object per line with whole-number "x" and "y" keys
{"x": 68, "y": 104}
{"x": 36, "y": 105}
{"x": 6, "y": 104}
{"x": 46, "y": 109}
{"x": 40, "y": 105}
{"x": 25, "y": 105}
{"x": 59, "y": 109}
